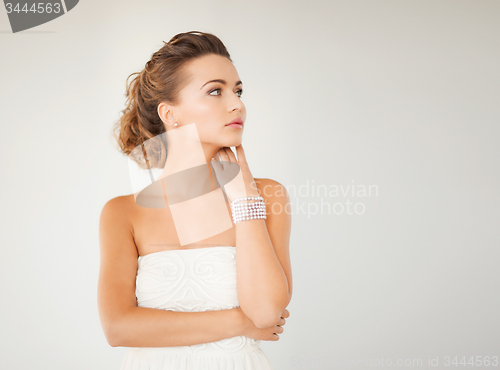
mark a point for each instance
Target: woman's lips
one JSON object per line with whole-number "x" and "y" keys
{"x": 236, "y": 125}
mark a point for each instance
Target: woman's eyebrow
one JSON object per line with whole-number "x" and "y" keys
{"x": 222, "y": 82}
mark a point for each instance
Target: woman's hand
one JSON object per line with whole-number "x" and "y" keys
{"x": 234, "y": 173}
{"x": 271, "y": 333}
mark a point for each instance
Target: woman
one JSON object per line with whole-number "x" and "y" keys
{"x": 168, "y": 286}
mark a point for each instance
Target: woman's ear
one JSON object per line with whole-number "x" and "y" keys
{"x": 165, "y": 112}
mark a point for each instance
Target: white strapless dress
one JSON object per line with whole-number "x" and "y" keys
{"x": 193, "y": 280}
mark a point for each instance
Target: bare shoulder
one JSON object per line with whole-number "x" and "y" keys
{"x": 115, "y": 221}
{"x": 271, "y": 190}
{"x": 118, "y": 208}
{"x": 120, "y": 203}
{"x": 118, "y": 267}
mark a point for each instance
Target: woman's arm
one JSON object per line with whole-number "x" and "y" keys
{"x": 127, "y": 325}
{"x": 263, "y": 259}
{"x": 150, "y": 327}
{"x": 264, "y": 275}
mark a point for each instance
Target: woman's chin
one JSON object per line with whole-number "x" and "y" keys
{"x": 229, "y": 143}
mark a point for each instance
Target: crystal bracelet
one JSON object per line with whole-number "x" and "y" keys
{"x": 246, "y": 198}
{"x": 248, "y": 211}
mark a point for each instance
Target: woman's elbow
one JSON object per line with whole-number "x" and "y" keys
{"x": 266, "y": 321}
{"x": 113, "y": 329}
{"x": 111, "y": 333}
{"x": 273, "y": 319}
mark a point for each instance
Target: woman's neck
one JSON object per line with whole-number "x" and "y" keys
{"x": 185, "y": 151}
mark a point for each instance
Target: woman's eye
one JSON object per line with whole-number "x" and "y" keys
{"x": 239, "y": 92}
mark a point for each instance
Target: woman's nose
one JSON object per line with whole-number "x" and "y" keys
{"x": 236, "y": 103}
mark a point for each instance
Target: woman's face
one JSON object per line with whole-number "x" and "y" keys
{"x": 211, "y": 105}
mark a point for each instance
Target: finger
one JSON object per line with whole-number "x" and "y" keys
{"x": 223, "y": 156}
{"x": 241, "y": 153}
{"x": 231, "y": 155}
{"x": 285, "y": 313}
{"x": 226, "y": 153}
{"x": 216, "y": 165}
{"x": 218, "y": 161}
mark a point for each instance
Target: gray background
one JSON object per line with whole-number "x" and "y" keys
{"x": 403, "y": 95}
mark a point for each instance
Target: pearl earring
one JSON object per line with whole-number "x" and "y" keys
{"x": 176, "y": 124}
